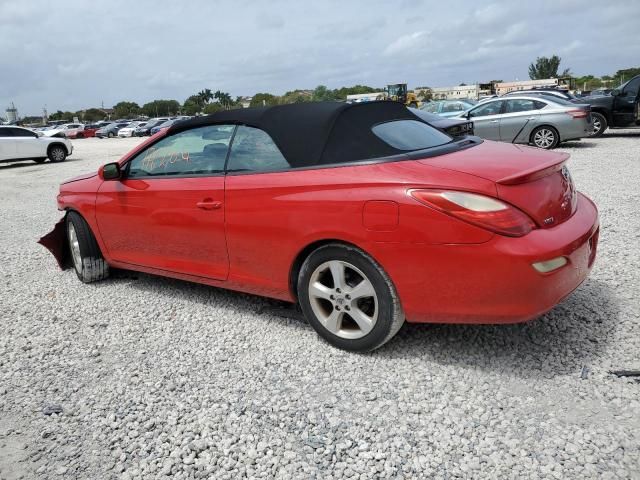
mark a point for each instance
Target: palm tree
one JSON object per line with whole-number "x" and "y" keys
{"x": 224, "y": 98}
{"x": 205, "y": 96}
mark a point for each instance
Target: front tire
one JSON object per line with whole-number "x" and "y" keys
{"x": 57, "y": 153}
{"x": 110, "y": 135}
{"x": 600, "y": 124}
{"x": 348, "y": 298}
{"x": 545, "y": 137}
{"x": 86, "y": 257}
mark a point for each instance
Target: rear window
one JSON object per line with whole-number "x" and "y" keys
{"x": 409, "y": 135}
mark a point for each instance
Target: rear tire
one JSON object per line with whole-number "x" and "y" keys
{"x": 86, "y": 257}
{"x": 57, "y": 153}
{"x": 600, "y": 124}
{"x": 348, "y": 298}
{"x": 545, "y": 137}
{"x": 110, "y": 135}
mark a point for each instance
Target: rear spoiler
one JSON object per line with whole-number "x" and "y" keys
{"x": 547, "y": 168}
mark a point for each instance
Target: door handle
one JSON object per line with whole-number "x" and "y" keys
{"x": 209, "y": 204}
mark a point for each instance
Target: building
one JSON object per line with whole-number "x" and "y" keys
{"x": 12, "y": 114}
{"x": 454, "y": 93}
{"x": 245, "y": 101}
{"x": 567, "y": 83}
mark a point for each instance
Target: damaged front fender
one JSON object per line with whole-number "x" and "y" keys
{"x": 56, "y": 242}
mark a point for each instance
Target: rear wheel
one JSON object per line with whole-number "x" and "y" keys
{"x": 110, "y": 135}
{"x": 545, "y": 137}
{"x": 87, "y": 259}
{"x": 600, "y": 124}
{"x": 57, "y": 153}
{"x": 348, "y": 298}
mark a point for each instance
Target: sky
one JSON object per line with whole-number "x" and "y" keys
{"x": 74, "y": 55}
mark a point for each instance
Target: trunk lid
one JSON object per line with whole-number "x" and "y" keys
{"x": 536, "y": 181}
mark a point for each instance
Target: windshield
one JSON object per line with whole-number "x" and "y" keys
{"x": 410, "y": 135}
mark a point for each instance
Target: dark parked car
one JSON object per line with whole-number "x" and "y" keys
{"x": 162, "y": 125}
{"x": 455, "y": 127}
{"x": 111, "y": 130}
{"x": 618, "y": 110}
{"x": 145, "y": 130}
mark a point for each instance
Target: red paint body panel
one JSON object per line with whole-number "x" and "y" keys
{"x": 158, "y": 224}
{"x": 445, "y": 270}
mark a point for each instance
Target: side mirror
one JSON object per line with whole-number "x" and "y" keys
{"x": 110, "y": 171}
{"x": 615, "y": 92}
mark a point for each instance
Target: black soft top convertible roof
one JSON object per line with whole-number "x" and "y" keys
{"x": 316, "y": 133}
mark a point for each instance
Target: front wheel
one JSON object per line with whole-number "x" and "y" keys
{"x": 348, "y": 298}
{"x": 545, "y": 137}
{"x": 86, "y": 257}
{"x": 600, "y": 124}
{"x": 110, "y": 135}
{"x": 57, "y": 153}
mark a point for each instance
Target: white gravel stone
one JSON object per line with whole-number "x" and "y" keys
{"x": 159, "y": 379}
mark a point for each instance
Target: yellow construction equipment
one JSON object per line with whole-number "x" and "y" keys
{"x": 397, "y": 92}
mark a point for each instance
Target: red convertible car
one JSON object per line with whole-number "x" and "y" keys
{"x": 364, "y": 214}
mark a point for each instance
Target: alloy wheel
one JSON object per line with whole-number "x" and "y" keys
{"x": 74, "y": 246}
{"x": 597, "y": 125}
{"x": 57, "y": 154}
{"x": 544, "y": 138}
{"x": 343, "y": 299}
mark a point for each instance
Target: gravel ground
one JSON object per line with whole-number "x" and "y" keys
{"x": 156, "y": 378}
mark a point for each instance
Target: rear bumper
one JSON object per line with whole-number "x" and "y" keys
{"x": 576, "y": 129}
{"x": 493, "y": 282}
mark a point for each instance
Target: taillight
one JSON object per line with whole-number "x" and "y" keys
{"x": 485, "y": 212}
{"x": 578, "y": 113}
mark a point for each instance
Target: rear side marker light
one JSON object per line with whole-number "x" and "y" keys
{"x": 479, "y": 210}
{"x": 550, "y": 265}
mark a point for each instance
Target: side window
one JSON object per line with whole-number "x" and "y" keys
{"x": 453, "y": 107}
{"x": 253, "y": 150}
{"x": 199, "y": 151}
{"x": 21, "y": 132}
{"x": 6, "y": 132}
{"x": 431, "y": 107}
{"x": 631, "y": 90}
{"x": 491, "y": 108}
{"x": 515, "y": 106}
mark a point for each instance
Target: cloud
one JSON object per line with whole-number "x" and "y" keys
{"x": 404, "y": 43}
{"x": 147, "y": 49}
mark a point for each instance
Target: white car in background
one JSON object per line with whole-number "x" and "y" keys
{"x": 129, "y": 131}
{"x": 62, "y": 130}
{"x": 17, "y": 143}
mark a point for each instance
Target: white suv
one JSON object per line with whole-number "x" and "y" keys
{"x": 17, "y": 143}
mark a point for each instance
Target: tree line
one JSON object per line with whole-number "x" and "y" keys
{"x": 207, "y": 101}
{"x": 548, "y": 67}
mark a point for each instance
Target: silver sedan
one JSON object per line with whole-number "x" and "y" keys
{"x": 540, "y": 121}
